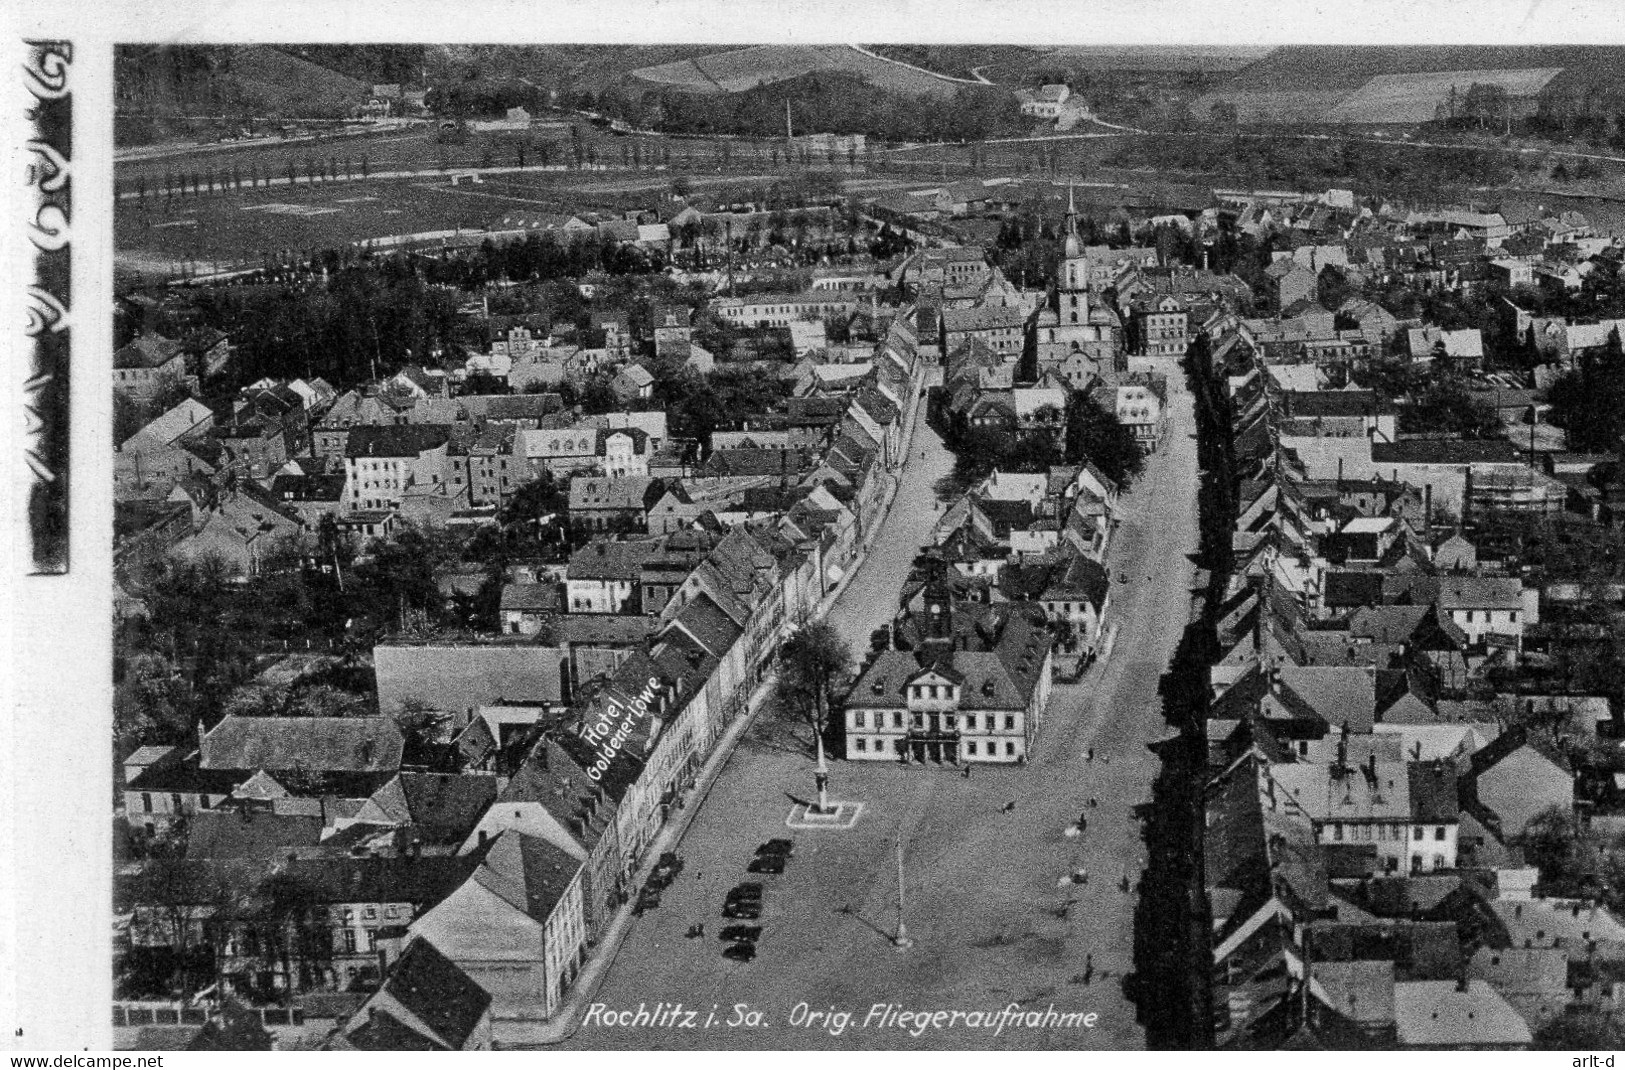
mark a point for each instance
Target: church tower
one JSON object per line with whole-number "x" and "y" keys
{"x": 1073, "y": 285}
{"x": 1078, "y": 339}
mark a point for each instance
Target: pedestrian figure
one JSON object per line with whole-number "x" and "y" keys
{"x": 1091, "y": 803}
{"x": 1088, "y": 968}
{"x": 1009, "y": 806}
{"x": 966, "y": 772}
{"x": 1091, "y": 754}
{"x": 1122, "y": 885}
{"x": 1083, "y": 824}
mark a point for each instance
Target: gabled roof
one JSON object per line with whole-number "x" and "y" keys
{"x": 316, "y": 744}
{"x": 435, "y": 993}
{"x": 1337, "y": 694}
{"x": 441, "y": 808}
{"x": 395, "y": 440}
{"x": 1480, "y": 592}
{"x": 622, "y": 493}
{"x": 1433, "y": 793}
{"x": 1079, "y": 579}
{"x": 636, "y": 375}
{"x": 169, "y": 427}
{"x": 1511, "y": 741}
{"x": 1000, "y": 679}
{"x": 1443, "y": 1014}
{"x": 1452, "y": 451}
{"x": 249, "y": 833}
{"x": 708, "y": 625}
{"x": 529, "y": 597}
{"x": 1345, "y": 589}
{"x": 529, "y": 874}
{"x": 147, "y": 351}
{"x": 606, "y": 560}
{"x": 309, "y": 488}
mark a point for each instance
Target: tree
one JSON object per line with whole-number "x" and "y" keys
{"x": 293, "y": 919}
{"x": 1581, "y": 1030}
{"x": 1588, "y": 402}
{"x": 1551, "y": 840}
{"x": 128, "y": 417}
{"x": 1094, "y": 434}
{"x": 1445, "y": 407}
{"x": 812, "y": 662}
{"x": 532, "y": 501}
{"x": 175, "y": 905}
{"x": 1332, "y": 287}
{"x": 1485, "y": 103}
{"x": 151, "y": 704}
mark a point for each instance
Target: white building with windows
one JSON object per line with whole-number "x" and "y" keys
{"x": 382, "y": 464}
{"x": 1489, "y": 608}
{"x": 1406, "y": 811}
{"x": 954, "y": 706}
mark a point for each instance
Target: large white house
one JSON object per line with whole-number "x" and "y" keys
{"x": 954, "y": 706}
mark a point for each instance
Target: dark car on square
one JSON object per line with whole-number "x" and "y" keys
{"x": 743, "y": 910}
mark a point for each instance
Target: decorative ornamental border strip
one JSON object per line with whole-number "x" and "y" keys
{"x": 46, "y": 411}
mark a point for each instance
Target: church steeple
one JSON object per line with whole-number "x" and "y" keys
{"x": 1072, "y": 249}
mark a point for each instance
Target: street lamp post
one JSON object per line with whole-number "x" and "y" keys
{"x": 901, "y": 940}
{"x": 821, "y": 771}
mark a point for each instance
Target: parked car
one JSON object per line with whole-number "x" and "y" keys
{"x": 648, "y": 899}
{"x": 665, "y": 870}
{"x": 748, "y": 933}
{"x": 772, "y": 865}
{"x": 777, "y": 847}
{"x": 746, "y": 890}
{"x": 740, "y": 952}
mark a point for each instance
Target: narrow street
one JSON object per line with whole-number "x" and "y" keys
{"x": 990, "y": 904}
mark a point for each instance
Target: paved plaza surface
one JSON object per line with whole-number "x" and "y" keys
{"x": 990, "y": 906}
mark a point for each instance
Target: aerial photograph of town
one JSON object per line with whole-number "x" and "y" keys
{"x": 868, "y": 546}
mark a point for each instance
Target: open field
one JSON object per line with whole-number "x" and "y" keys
{"x": 1340, "y": 84}
{"x": 1334, "y": 66}
{"x": 414, "y": 149}
{"x": 737, "y": 70}
{"x": 1381, "y": 99}
{"x": 1414, "y": 98}
{"x": 248, "y": 225}
{"x": 420, "y": 150}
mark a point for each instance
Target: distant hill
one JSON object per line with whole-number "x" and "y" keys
{"x": 1380, "y": 85}
{"x": 1334, "y": 66}
{"x": 292, "y": 86}
{"x": 739, "y": 69}
{"x": 1206, "y": 58}
{"x": 174, "y": 81}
